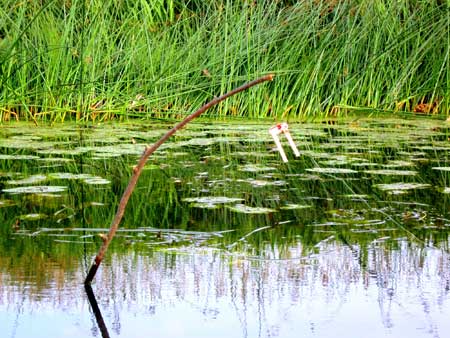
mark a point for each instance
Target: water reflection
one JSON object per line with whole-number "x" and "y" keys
{"x": 335, "y": 290}
{"x": 96, "y": 311}
{"x": 220, "y": 239}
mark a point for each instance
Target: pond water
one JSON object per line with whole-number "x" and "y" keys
{"x": 223, "y": 239}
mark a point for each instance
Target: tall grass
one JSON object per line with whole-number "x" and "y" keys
{"x": 97, "y": 60}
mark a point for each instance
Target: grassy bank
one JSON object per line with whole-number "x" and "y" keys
{"x": 97, "y": 60}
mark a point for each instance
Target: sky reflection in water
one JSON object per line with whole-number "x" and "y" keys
{"x": 402, "y": 293}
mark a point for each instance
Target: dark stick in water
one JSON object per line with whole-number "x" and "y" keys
{"x": 96, "y": 310}
{"x": 137, "y": 170}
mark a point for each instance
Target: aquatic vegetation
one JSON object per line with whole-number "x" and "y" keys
{"x": 390, "y": 172}
{"x": 18, "y": 157}
{"x": 256, "y": 168}
{"x": 219, "y": 186}
{"x": 262, "y": 183}
{"x": 242, "y": 208}
{"x": 402, "y": 186}
{"x": 29, "y": 180}
{"x": 69, "y": 176}
{"x": 32, "y": 217}
{"x": 95, "y": 180}
{"x": 106, "y": 61}
{"x": 292, "y": 206}
{"x": 441, "y": 168}
{"x": 6, "y": 203}
{"x": 198, "y": 223}
{"x": 210, "y": 202}
{"x": 399, "y": 163}
{"x": 331, "y": 170}
{"x": 38, "y": 189}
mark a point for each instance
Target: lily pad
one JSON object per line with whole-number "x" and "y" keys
{"x": 252, "y": 154}
{"x": 96, "y": 180}
{"x": 263, "y": 183}
{"x": 306, "y": 177}
{"x": 29, "y": 144}
{"x": 402, "y": 186}
{"x": 38, "y": 189}
{"x": 29, "y": 180}
{"x": 69, "y": 176}
{"x": 331, "y": 170}
{"x": 441, "y": 168}
{"x": 60, "y": 152}
{"x": 205, "y": 205}
{"x": 103, "y": 156}
{"x": 364, "y": 164}
{"x": 391, "y": 172}
{"x": 18, "y": 157}
{"x": 32, "y": 217}
{"x": 357, "y": 197}
{"x": 446, "y": 190}
{"x": 194, "y": 142}
{"x": 399, "y": 163}
{"x": 151, "y": 167}
{"x": 6, "y": 203}
{"x": 212, "y": 200}
{"x": 291, "y": 206}
{"x": 241, "y": 208}
{"x": 115, "y": 150}
{"x": 256, "y": 168}
{"x": 56, "y": 159}
{"x": 87, "y": 178}
{"x": 343, "y": 161}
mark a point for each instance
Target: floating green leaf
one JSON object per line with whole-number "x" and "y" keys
{"x": 399, "y": 163}
{"x": 212, "y": 200}
{"x": 391, "y": 172}
{"x": 86, "y": 178}
{"x": 401, "y": 186}
{"x": 39, "y": 189}
{"x": 96, "y": 180}
{"x": 263, "y": 183}
{"x": 18, "y": 157}
{"x": 29, "y": 180}
{"x": 292, "y": 206}
{"x": 69, "y": 176}
{"x": 331, "y": 170}
{"x": 441, "y": 168}
{"x": 32, "y": 217}
{"x": 241, "y": 208}
{"x": 256, "y": 168}
{"x": 6, "y": 203}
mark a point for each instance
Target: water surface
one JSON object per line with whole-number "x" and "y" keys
{"x": 221, "y": 238}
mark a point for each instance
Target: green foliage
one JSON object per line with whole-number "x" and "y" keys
{"x": 97, "y": 60}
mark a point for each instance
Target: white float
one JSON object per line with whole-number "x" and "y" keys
{"x": 283, "y": 128}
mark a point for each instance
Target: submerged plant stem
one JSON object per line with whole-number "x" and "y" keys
{"x": 137, "y": 170}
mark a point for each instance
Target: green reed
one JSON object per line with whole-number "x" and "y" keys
{"x": 101, "y": 60}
